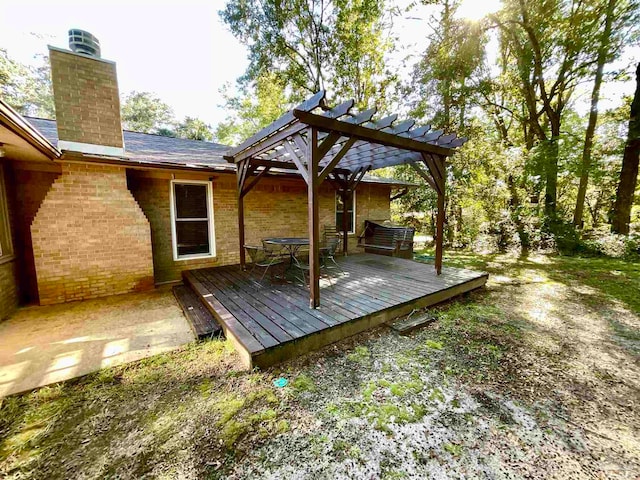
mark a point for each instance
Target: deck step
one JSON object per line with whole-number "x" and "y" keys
{"x": 409, "y": 324}
{"x": 201, "y": 320}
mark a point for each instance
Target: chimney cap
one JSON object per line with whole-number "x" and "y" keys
{"x": 81, "y": 41}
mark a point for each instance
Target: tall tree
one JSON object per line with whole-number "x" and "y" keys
{"x": 629, "y": 172}
{"x": 442, "y": 93}
{"x": 552, "y": 45}
{"x": 610, "y": 45}
{"x": 258, "y": 104}
{"x": 194, "y": 129}
{"x": 27, "y": 88}
{"x": 311, "y": 45}
{"x": 443, "y": 76}
{"x": 144, "y": 112}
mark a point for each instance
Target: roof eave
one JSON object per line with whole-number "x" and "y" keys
{"x": 18, "y": 125}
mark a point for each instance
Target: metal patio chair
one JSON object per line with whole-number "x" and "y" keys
{"x": 329, "y": 232}
{"x": 327, "y": 254}
{"x": 265, "y": 257}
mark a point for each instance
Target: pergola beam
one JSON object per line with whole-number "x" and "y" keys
{"x": 426, "y": 177}
{"x": 298, "y": 162}
{"x": 308, "y": 105}
{"x": 337, "y": 157}
{"x": 254, "y": 181}
{"x": 367, "y": 134}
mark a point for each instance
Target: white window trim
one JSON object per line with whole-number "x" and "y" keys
{"x": 172, "y": 208}
{"x": 6, "y": 244}
{"x": 350, "y": 232}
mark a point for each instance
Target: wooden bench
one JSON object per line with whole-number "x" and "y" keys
{"x": 393, "y": 241}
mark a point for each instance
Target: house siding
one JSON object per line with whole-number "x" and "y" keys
{"x": 90, "y": 237}
{"x": 274, "y": 208}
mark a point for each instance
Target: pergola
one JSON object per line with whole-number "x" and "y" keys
{"x": 341, "y": 146}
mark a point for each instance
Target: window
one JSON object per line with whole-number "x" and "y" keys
{"x": 192, "y": 220}
{"x": 351, "y": 211}
{"x": 6, "y": 249}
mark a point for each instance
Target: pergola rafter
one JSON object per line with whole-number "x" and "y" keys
{"x": 341, "y": 146}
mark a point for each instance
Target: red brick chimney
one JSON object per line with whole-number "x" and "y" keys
{"x": 87, "y": 101}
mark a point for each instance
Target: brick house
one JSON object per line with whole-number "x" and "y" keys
{"x": 87, "y": 210}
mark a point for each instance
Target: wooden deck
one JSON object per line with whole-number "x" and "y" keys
{"x": 272, "y": 322}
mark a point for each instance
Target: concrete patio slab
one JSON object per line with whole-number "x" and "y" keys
{"x": 43, "y": 345}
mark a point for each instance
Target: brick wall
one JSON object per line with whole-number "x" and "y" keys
{"x": 90, "y": 237}
{"x": 86, "y": 99}
{"x": 273, "y": 208}
{"x": 30, "y": 187}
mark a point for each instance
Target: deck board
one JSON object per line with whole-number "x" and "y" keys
{"x": 271, "y": 321}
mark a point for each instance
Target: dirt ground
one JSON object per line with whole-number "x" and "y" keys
{"x": 535, "y": 376}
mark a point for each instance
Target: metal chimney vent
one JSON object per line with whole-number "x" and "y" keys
{"x": 83, "y": 42}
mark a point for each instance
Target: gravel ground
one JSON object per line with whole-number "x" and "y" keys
{"x": 371, "y": 416}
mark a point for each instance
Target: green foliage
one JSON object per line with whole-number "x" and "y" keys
{"x": 311, "y": 45}
{"x": 303, "y": 383}
{"x": 443, "y": 77}
{"x": 27, "y": 88}
{"x": 144, "y": 112}
{"x": 298, "y": 47}
{"x": 453, "y": 448}
{"x": 194, "y": 129}
{"x": 361, "y": 354}
{"x": 260, "y": 102}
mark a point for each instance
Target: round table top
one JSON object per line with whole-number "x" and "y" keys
{"x": 287, "y": 241}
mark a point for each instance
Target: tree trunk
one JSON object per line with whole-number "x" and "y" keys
{"x": 629, "y": 173}
{"x": 551, "y": 171}
{"x": 525, "y": 242}
{"x": 593, "y": 115}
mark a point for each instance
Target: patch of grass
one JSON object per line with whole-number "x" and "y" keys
{"x": 394, "y": 475}
{"x": 436, "y": 395}
{"x": 238, "y": 416}
{"x": 361, "y": 354}
{"x": 27, "y": 420}
{"x": 433, "y": 345}
{"x": 282, "y": 426}
{"x": 625, "y": 331}
{"x": 453, "y": 449}
{"x": 303, "y": 383}
{"x": 402, "y": 388}
{"x": 382, "y": 414}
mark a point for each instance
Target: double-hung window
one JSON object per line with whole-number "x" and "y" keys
{"x": 192, "y": 219}
{"x": 351, "y": 211}
{"x": 6, "y": 248}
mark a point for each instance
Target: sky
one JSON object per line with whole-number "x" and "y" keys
{"x": 179, "y": 50}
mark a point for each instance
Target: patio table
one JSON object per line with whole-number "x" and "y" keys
{"x": 291, "y": 244}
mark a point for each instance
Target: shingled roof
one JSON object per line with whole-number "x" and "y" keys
{"x": 162, "y": 151}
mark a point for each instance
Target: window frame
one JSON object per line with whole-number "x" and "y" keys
{"x": 353, "y": 213}
{"x": 6, "y": 242}
{"x": 210, "y": 219}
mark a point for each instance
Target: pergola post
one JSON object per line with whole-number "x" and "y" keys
{"x": 439, "y": 233}
{"x": 313, "y": 184}
{"x": 344, "y": 193}
{"x": 241, "y": 176}
{"x": 440, "y": 161}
